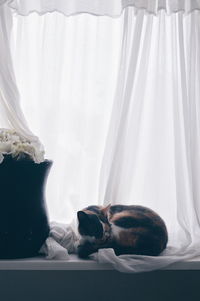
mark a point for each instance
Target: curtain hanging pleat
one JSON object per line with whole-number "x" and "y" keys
{"x": 11, "y": 115}
{"x": 100, "y": 7}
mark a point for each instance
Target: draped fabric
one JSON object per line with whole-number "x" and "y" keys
{"x": 152, "y": 149}
{"x": 100, "y": 7}
{"x": 116, "y": 103}
{"x": 11, "y": 115}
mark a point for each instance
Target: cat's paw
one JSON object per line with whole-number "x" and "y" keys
{"x": 84, "y": 250}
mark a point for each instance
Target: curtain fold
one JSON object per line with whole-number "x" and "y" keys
{"x": 11, "y": 115}
{"x": 100, "y": 7}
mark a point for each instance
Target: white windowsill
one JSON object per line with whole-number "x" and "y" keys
{"x": 78, "y": 264}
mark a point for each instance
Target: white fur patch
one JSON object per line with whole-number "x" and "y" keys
{"x": 115, "y": 231}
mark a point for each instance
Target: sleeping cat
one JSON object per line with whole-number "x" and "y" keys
{"x": 126, "y": 229}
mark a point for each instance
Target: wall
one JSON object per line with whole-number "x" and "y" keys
{"x": 99, "y": 285}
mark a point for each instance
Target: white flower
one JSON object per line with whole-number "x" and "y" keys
{"x": 14, "y": 144}
{"x": 5, "y": 147}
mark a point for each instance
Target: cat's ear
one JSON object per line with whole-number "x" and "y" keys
{"x": 106, "y": 209}
{"x": 82, "y": 216}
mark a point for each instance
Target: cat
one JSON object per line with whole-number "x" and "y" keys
{"x": 127, "y": 229}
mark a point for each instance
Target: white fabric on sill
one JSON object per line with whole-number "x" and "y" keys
{"x": 61, "y": 242}
{"x": 100, "y": 7}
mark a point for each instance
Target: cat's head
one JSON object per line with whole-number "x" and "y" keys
{"x": 93, "y": 222}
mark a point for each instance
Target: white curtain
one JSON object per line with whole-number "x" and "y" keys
{"x": 66, "y": 71}
{"x": 152, "y": 154}
{"x": 11, "y": 115}
{"x": 116, "y": 103}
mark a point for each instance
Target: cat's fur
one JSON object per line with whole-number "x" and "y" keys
{"x": 126, "y": 229}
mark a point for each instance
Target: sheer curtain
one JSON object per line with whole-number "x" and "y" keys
{"x": 11, "y": 115}
{"x": 66, "y": 70}
{"x": 116, "y": 103}
{"x": 152, "y": 150}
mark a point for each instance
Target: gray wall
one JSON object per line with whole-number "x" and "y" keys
{"x": 99, "y": 285}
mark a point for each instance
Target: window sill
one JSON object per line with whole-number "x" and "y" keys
{"x": 40, "y": 263}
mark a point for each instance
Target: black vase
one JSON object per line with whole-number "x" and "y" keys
{"x": 24, "y": 223}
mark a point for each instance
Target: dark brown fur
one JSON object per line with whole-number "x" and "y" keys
{"x": 126, "y": 229}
